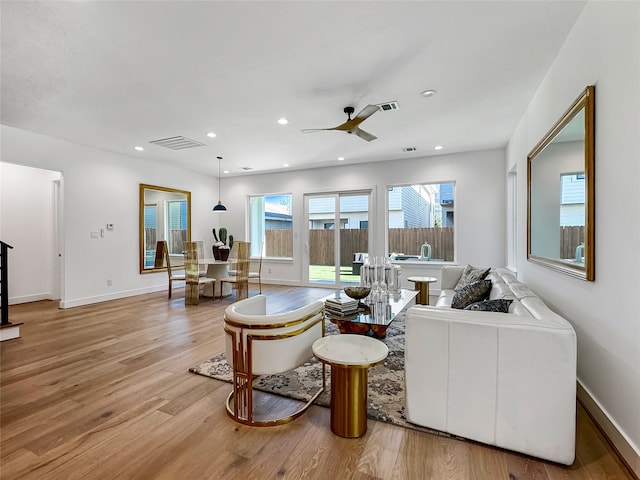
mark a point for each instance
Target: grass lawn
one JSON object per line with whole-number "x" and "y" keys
{"x": 326, "y": 274}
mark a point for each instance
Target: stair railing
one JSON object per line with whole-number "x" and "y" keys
{"x": 4, "y": 278}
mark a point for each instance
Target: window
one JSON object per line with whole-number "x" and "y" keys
{"x": 270, "y": 226}
{"x": 150, "y": 223}
{"x": 176, "y": 225}
{"x": 422, "y": 214}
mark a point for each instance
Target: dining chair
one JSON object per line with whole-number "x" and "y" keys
{"x": 261, "y": 344}
{"x": 202, "y": 268}
{"x": 163, "y": 258}
{"x": 239, "y": 256}
{"x": 192, "y": 272}
{"x": 258, "y": 274}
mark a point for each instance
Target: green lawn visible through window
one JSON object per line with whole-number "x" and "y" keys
{"x": 326, "y": 273}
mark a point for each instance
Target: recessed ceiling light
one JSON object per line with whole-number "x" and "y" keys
{"x": 285, "y": 164}
{"x": 225, "y": 171}
{"x": 438, "y": 147}
{"x": 428, "y": 93}
{"x": 283, "y": 121}
{"x": 138, "y": 148}
{"x": 340, "y": 159}
{"x": 211, "y": 135}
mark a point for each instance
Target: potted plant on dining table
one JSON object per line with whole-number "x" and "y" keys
{"x": 220, "y": 248}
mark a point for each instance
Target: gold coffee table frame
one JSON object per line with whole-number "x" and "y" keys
{"x": 350, "y": 357}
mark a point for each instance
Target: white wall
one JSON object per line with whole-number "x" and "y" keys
{"x": 27, "y": 213}
{"x": 102, "y": 187}
{"x": 479, "y": 202}
{"x": 603, "y": 49}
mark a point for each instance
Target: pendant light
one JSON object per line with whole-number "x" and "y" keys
{"x": 219, "y": 207}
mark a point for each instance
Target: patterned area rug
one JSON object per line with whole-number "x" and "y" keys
{"x": 385, "y": 389}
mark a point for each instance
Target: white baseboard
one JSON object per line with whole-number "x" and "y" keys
{"x": 29, "y": 298}
{"x": 78, "y": 302}
{"x": 623, "y": 444}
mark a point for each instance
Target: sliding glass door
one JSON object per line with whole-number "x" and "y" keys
{"x": 338, "y": 230}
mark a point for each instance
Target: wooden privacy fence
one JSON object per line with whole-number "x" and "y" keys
{"x": 409, "y": 241}
{"x": 570, "y": 238}
{"x": 279, "y": 243}
{"x": 178, "y": 237}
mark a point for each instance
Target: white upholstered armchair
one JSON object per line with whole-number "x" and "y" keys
{"x": 261, "y": 344}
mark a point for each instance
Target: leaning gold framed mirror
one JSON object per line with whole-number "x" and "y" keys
{"x": 561, "y": 193}
{"x": 165, "y": 214}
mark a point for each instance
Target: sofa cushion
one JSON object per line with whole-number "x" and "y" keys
{"x": 500, "y": 290}
{"x": 472, "y": 274}
{"x": 518, "y": 309}
{"x": 472, "y": 293}
{"x": 499, "y": 305}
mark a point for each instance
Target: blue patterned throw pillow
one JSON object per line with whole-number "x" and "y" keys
{"x": 471, "y": 274}
{"x": 498, "y": 305}
{"x": 472, "y": 293}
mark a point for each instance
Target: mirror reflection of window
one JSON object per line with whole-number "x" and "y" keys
{"x": 177, "y": 223}
{"x": 150, "y": 237}
{"x": 572, "y": 217}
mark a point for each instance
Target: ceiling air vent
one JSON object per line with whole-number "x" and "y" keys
{"x": 388, "y": 106}
{"x": 177, "y": 143}
{"x": 409, "y": 149}
{"x": 246, "y": 168}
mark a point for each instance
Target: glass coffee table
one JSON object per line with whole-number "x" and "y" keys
{"x": 374, "y": 315}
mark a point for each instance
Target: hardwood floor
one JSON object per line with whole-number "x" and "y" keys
{"x": 103, "y": 392}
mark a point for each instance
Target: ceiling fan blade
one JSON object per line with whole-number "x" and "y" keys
{"x": 311, "y": 130}
{"x": 366, "y": 112}
{"x": 364, "y": 135}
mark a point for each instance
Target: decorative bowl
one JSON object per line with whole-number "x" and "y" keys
{"x": 357, "y": 293}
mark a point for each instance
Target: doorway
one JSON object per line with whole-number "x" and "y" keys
{"x": 337, "y": 233}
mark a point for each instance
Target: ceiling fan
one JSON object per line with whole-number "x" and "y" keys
{"x": 352, "y": 125}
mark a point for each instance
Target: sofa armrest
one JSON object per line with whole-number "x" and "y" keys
{"x": 450, "y": 276}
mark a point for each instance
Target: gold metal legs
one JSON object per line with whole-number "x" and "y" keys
{"x": 240, "y": 406}
{"x": 423, "y": 293}
{"x": 348, "y": 400}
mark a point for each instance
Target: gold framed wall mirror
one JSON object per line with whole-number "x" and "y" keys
{"x": 561, "y": 193}
{"x": 165, "y": 214}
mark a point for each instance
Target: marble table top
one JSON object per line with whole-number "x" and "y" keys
{"x": 350, "y": 350}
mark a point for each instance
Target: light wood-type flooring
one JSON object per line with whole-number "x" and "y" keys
{"x": 103, "y": 392}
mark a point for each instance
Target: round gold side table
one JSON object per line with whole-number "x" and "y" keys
{"x": 422, "y": 285}
{"x": 349, "y": 356}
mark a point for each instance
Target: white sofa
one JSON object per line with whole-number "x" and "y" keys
{"x": 504, "y": 379}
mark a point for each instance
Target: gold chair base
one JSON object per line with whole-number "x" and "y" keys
{"x": 250, "y": 416}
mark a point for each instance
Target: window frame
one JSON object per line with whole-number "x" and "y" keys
{"x": 441, "y": 210}
{"x": 258, "y": 245}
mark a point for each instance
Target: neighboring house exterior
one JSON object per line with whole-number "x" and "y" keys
{"x": 415, "y": 206}
{"x": 572, "y": 190}
{"x": 421, "y": 206}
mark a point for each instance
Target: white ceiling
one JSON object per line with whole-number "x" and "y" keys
{"x": 115, "y": 74}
